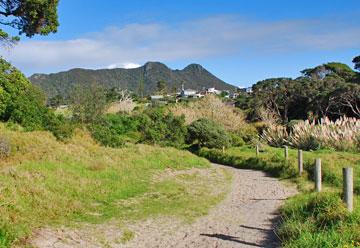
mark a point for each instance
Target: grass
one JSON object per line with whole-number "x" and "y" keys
{"x": 47, "y": 183}
{"x": 309, "y": 219}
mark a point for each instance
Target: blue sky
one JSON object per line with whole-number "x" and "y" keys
{"x": 239, "y": 41}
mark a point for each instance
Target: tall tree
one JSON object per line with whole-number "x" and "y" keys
{"x": 29, "y": 17}
{"x": 356, "y": 61}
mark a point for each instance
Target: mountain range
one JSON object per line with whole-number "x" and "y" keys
{"x": 141, "y": 80}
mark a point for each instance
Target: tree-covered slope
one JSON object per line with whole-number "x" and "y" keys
{"x": 142, "y": 80}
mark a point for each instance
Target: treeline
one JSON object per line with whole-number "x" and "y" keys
{"x": 330, "y": 90}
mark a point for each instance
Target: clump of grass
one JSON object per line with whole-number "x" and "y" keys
{"x": 318, "y": 220}
{"x": 127, "y": 235}
{"x": 341, "y": 135}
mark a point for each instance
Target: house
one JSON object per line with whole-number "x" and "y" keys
{"x": 189, "y": 93}
{"x": 234, "y": 95}
{"x": 246, "y": 90}
{"x": 156, "y": 97}
{"x": 213, "y": 91}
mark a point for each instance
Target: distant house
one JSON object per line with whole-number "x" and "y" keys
{"x": 189, "y": 93}
{"x": 156, "y": 97}
{"x": 246, "y": 90}
{"x": 234, "y": 95}
{"x": 213, "y": 91}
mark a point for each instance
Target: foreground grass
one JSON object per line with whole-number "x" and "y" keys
{"x": 309, "y": 219}
{"x": 47, "y": 183}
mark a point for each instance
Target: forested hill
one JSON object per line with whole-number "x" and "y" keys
{"x": 142, "y": 80}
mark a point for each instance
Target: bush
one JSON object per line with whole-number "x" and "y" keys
{"x": 115, "y": 130}
{"x": 236, "y": 139}
{"x": 164, "y": 129}
{"x": 28, "y": 109}
{"x": 5, "y": 147}
{"x": 59, "y": 126}
{"x": 208, "y": 133}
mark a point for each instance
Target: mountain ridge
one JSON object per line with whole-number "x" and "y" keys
{"x": 192, "y": 76}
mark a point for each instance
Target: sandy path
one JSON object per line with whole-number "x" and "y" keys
{"x": 246, "y": 218}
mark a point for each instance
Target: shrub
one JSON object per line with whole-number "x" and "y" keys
{"x": 163, "y": 128}
{"x": 208, "y": 133}
{"x": 115, "y": 130}
{"x": 5, "y": 147}
{"x": 59, "y": 126}
{"x": 28, "y": 109}
{"x": 236, "y": 139}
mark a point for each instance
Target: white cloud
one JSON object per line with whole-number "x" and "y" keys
{"x": 217, "y": 36}
{"x": 127, "y": 65}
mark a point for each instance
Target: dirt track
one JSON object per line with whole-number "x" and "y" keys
{"x": 246, "y": 218}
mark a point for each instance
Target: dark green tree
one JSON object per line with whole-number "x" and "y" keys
{"x": 29, "y": 17}
{"x": 356, "y": 61}
{"x": 208, "y": 133}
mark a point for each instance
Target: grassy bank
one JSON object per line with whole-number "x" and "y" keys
{"x": 47, "y": 183}
{"x": 310, "y": 219}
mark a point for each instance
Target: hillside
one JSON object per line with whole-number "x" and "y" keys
{"x": 193, "y": 76}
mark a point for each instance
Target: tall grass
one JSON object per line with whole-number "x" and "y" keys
{"x": 341, "y": 135}
{"x": 213, "y": 108}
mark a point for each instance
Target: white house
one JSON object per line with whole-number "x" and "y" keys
{"x": 213, "y": 91}
{"x": 189, "y": 93}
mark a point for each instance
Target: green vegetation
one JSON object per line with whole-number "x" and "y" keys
{"x": 309, "y": 219}
{"x": 159, "y": 127}
{"x": 24, "y": 104}
{"x": 328, "y": 90}
{"x": 208, "y": 133}
{"x": 115, "y": 130}
{"x": 29, "y": 17}
{"x": 45, "y": 182}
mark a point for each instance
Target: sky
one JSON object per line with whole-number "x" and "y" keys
{"x": 239, "y": 41}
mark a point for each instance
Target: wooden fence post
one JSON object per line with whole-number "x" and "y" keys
{"x": 257, "y": 150}
{"x": 286, "y": 150}
{"x": 348, "y": 187}
{"x": 300, "y": 161}
{"x": 317, "y": 175}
